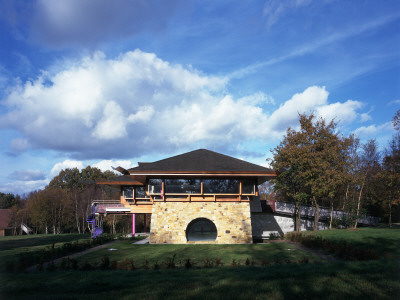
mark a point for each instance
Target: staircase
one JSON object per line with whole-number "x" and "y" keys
{"x": 25, "y": 228}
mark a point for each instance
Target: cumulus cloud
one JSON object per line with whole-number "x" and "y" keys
{"x": 27, "y": 175}
{"x": 23, "y": 187}
{"x": 131, "y": 105}
{"x": 108, "y": 165}
{"x": 66, "y": 23}
{"x": 373, "y": 131}
{"x": 66, "y": 164}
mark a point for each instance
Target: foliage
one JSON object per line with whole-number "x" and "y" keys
{"x": 8, "y": 200}
{"x": 310, "y": 162}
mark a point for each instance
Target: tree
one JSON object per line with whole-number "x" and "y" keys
{"x": 367, "y": 170}
{"x": 311, "y": 163}
{"x": 396, "y": 120}
{"x": 81, "y": 188}
{"x": 391, "y": 176}
{"x": 8, "y": 200}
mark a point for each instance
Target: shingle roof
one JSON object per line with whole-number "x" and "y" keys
{"x": 5, "y": 217}
{"x": 200, "y": 160}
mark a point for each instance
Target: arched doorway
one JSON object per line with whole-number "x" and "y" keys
{"x": 201, "y": 229}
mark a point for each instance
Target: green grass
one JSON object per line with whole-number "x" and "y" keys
{"x": 11, "y": 246}
{"x": 374, "y": 279}
{"x": 355, "y": 280}
{"x": 198, "y": 253}
{"x": 383, "y": 240}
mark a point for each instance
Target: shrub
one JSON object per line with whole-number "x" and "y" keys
{"x": 218, "y": 262}
{"x": 208, "y": 263}
{"x": 247, "y": 262}
{"x": 265, "y": 262}
{"x": 188, "y": 263}
{"x": 86, "y": 266}
{"x": 105, "y": 263}
{"x": 170, "y": 263}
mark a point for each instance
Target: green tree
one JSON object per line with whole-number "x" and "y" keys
{"x": 391, "y": 177}
{"x": 82, "y": 189}
{"x": 8, "y": 200}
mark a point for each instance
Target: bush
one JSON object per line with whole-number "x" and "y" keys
{"x": 340, "y": 248}
{"x": 105, "y": 263}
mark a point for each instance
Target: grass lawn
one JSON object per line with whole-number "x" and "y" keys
{"x": 350, "y": 280}
{"x": 374, "y": 279}
{"x": 161, "y": 254}
{"x": 11, "y": 246}
{"x": 383, "y": 240}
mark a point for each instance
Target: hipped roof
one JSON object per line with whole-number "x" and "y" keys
{"x": 200, "y": 161}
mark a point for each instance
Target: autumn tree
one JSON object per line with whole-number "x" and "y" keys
{"x": 310, "y": 162}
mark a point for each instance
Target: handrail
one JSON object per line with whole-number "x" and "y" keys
{"x": 107, "y": 201}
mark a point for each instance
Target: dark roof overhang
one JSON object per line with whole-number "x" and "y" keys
{"x": 121, "y": 180}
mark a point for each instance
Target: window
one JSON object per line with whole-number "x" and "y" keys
{"x": 201, "y": 229}
{"x": 183, "y": 186}
{"x": 140, "y": 192}
{"x": 155, "y": 186}
{"x": 248, "y": 186}
{"x": 127, "y": 192}
{"x": 221, "y": 186}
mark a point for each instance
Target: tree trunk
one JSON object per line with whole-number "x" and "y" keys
{"x": 346, "y": 197}
{"x": 113, "y": 225}
{"x": 316, "y": 213}
{"x": 331, "y": 220}
{"x": 390, "y": 211}
{"x": 297, "y": 222}
{"x": 76, "y": 213}
{"x": 359, "y": 204}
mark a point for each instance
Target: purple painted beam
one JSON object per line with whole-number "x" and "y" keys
{"x": 133, "y": 225}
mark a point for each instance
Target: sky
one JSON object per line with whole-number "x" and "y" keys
{"x": 112, "y": 83}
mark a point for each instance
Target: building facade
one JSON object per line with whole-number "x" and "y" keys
{"x": 196, "y": 197}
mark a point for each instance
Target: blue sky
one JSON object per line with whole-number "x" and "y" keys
{"x": 108, "y": 83}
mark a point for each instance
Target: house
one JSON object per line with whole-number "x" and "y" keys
{"x": 196, "y": 197}
{"x": 5, "y": 219}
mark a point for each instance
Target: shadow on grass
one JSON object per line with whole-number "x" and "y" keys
{"x": 35, "y": 240}
{"x": 352, "y": 280}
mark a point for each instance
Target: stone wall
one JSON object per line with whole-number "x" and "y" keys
{"x": 265, "y": 223}
{"x": 169, "y": 221}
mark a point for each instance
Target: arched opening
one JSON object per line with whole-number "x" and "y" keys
{"x": 201, "y": 229}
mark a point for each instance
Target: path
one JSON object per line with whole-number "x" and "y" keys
{"x": 321, "y": 255}
{"x": 58, "y": 260}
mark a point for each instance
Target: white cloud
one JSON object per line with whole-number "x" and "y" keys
{"x": 373, "y": 131}
{"x": 100, "y": 108}
{"x": 365, "y": 117}
{"x": 107, "y": 165}
{"x": 306, "y": 102}
{"x": 344, "y": 113}
{"x": 23, "y": 187}
{"x": 27, "y": 175}
{"x": 66, "y": 164}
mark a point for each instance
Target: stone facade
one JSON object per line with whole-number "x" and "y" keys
{"x": 169, "y": 221}
{"x": 265, "y": 223}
